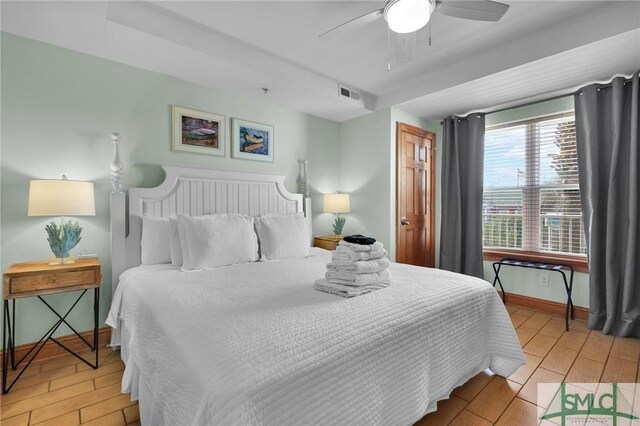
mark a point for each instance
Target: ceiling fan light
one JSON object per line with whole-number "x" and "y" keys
{"x": 406, "y": 16}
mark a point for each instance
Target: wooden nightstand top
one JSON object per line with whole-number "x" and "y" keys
{"x": 327, "y": 242}
{"x": 38, "y": 278}
{"x": 43, "y": 266}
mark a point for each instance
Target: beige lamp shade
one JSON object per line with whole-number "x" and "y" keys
{"x": 336, "y": 203}
{"x": 61, "y": 197}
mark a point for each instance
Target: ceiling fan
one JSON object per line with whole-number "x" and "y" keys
{"x": 407, "y": 16}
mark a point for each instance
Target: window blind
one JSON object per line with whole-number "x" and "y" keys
{"x": 531, "y": 198}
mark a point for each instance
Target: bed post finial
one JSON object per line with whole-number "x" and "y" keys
{"x": 117, "y": 168}
{"x": 118, "y": 219}
{"x": 304, "y": 188}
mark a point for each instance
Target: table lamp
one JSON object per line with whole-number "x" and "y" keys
{"x": 63, "y": 197}
{"x": 336, "y": 203}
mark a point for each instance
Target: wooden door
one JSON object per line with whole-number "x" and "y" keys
{"x": 415, "y": 197}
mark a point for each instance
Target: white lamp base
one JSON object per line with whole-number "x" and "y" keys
{"x": 63, "y": 261}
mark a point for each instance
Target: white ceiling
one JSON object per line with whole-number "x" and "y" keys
{"x": 538, "y": 48}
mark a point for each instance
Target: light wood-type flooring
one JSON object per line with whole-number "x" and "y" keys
{"x": 64, "y": 391}
{"x": 553, "y": 356}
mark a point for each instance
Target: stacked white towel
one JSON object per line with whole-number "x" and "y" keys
{"x": 356, "y": 269}
{"x": 349, "y": 252}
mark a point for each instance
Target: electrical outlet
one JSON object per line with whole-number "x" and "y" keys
{"x": 544, "y": 279}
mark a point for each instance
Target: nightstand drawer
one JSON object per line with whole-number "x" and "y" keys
{"x": 52, "y": 280}
{"x": 327, "y": 245}
{"x": 38, "y": 278}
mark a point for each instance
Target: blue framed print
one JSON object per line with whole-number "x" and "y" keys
{"x": 252, "y": 141}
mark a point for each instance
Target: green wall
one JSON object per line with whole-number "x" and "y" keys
{"x": 364, "y": 173}
{"x": 58, "y": 110}
{"x": 526, "y": 281}
{"x": 368, "y": 172}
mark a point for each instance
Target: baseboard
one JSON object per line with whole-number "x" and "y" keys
{"x": 52, "y": 350}
{"x": 547, "y": 306}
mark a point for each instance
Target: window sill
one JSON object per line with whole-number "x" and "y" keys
{"x": 579, "y": 263}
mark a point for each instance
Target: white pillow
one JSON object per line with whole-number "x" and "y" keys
{"x": 155, "y": 240}
{"x": 214, "y": 241}
{"x": 174, "y": 240}
{"x": 283, "y": 237}
{"x": 175, "y": 249}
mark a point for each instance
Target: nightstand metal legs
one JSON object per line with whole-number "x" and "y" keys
{"x": 9, "y": 333}
{"x": 7, "y": 325}
{"x": 96, "y": 315}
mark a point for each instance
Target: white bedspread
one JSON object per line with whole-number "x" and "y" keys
{"x": 256, "y": 344}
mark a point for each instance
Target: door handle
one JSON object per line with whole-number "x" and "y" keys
{"x": 404, "y": 221}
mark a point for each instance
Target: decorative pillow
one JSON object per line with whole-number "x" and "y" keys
{"x": 155, "y": 240}
{"x": 174, "y": 242}
{"x": 174, "y": 239}
{"x": 283, "y": 237}
{"x": 214, "y": 241}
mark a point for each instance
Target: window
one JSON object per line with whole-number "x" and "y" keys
{"x": 531, "y": 199}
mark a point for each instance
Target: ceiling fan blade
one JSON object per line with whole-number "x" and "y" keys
{"x": 351, "y": 25}
{"x": 484, "y": 10}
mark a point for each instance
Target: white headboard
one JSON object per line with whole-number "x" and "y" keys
{"x": 189, "y": 191}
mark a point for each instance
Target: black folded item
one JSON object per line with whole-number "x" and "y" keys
{"x": 359, "y": 239}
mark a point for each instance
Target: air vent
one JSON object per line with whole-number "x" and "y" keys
{"x": 348, "y": 93}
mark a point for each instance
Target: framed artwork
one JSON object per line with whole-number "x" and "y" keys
{"x": 252, "y": 141}
{"x": 197, "y": 132}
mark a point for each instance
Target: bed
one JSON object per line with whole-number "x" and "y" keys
{"x": 255, "y": 344}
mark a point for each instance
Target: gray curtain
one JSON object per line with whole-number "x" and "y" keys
{"x": 607, "y": 132}
{"x": 462, "y": 173}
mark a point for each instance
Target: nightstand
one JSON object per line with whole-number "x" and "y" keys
{"x": 327, "y": 242}
{"x": 37, "y": 279}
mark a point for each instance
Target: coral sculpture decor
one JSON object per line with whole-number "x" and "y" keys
{"x": 63, "y": 238}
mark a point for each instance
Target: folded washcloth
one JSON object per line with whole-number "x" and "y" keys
{"x": 359, "y": 239}
{"x": 358, "y": 280}
{"x": 344, "y": 254}
{"x": 360, "y": 267}
{"x": 346, "y": 290}
{"x": 360, "y": 247}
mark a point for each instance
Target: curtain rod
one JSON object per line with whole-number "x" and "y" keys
{"x": 553, "y": 98}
